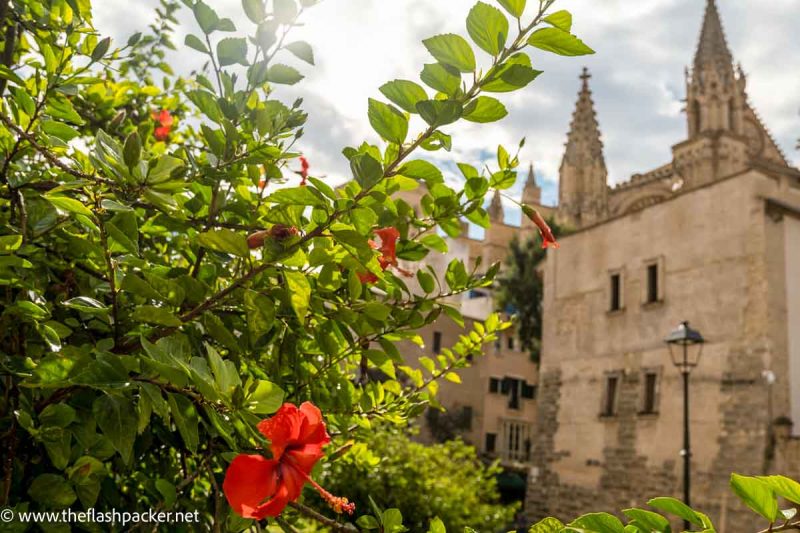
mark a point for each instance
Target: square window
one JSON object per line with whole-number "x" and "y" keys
{"x": 528, "y": 391}
{"x": 494, "y": 385}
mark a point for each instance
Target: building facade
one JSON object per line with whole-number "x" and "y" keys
{"x": 713, "y": 237}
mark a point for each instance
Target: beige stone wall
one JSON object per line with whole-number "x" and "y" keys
{"x": 711, "y": 244}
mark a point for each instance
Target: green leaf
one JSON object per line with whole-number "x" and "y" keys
{"x": 206, "y": 17}
{"x": 151, "y": 314}
{"x": 302, "y": 50}
{"x": 86, "y": 305}
{"x": 299, "y": 291}
{"x": 232, "y": 50}
{"x": 676, "y": 507}
{"x": 100, "y": 50}
{"x": 514, "y": 7}
{"x": 648, "y": 519}
{"x": 453, "y": 50}
{"x": 559, "y": 42}
{"x": 52, "y": 491}
{"x": 515, "y": 73}
{"x": 254, "y": 9}
{"x": 442, "y": 78}
{"x": 297, "y": 196}
{"x": 283, "y": 74}
{"x": 185, "y": 417}
{"x": 9, "y": 243}
{"x": 117, "y": 418}
{"x": 756, "y": 494}
{"x": 436, "y": 526}
{"x": 260, "y": 312}
{"x": 226, "y": 241}
{"x": 265, "y": 399}
{"x": 404, "y": 93}
{"x": 387, "y": 121}
{"x": 70, "y": 204}
{"x": 422, "y": 170}
{"x": 192, "y": 41}
{"x": 285, "y": 10}
{"x": 599, "y": 523}
{"x": 560, "y": 19}
{"x": 132, "y": 151}
{"x": 439, "y": 112}
{"x": 488, "y": 28}
{"x": 484, "y": 109}
{"x": 59, "y": 129}
{"x": 366, "y": 169}
{"x": 783, "y": 486}
{"x": 434, "y": 242}
{"x": 207, "y": 103}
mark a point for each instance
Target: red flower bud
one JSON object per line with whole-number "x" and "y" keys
{"x": 278, "y": 232}
{"x": 164, "y": 124}
{"x": 544, "y": 230}
{"x": 256, "y": 240}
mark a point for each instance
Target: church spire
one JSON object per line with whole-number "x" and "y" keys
{"x": 712, "y": 48}
{"x": 531, "y": 192}
{"x": 583, "y": 139}
{"x": 583, "y": 194}
{"x": 496, "y": 208}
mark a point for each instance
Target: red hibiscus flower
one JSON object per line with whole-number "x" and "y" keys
{"x": 279, "y": 232}
{"x": 257, "y": 487}
{"x": 388, "y": 257}
{"x": 164, "y": 124}
{"x": 544, "y": 230}
{"x": 303, "y": 172}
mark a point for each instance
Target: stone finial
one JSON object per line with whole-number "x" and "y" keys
{"x": 583, "y": 139}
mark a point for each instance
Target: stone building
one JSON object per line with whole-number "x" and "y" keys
{"x": 713, "y": 237}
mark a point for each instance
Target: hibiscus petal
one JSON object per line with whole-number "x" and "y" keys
{"x": 282, "y": 428}
{"x": 248, "y": 481}
{"x": 305, "y": 457}
{"x": 292, "y": 481}
{"x": 275, "y": 505}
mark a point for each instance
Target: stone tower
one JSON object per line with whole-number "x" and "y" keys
{"x": 531, "y": 192}
{"x": 724, "y": 132}
{"x": 583, "y": 191}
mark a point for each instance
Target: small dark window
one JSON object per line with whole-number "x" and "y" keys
{"x": 610, "y": 406}
{"x": 528, "y": 391}
{"x": 491, "y": 438}
{"x": 437, "y": 342}
{"x": 505, "y": 386}
{"x": 514, "y": 386}
{"x": 652, "y": 283}
{"x": 510, "y": 341}
{"x": 494, "y": 385}
{"x": 616, "y": 293}
{"x": 650, "y": 391}
{"x": 498, "y": 342}
{"x": 466, "y": 418}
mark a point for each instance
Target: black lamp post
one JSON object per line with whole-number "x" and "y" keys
{"x": 679, "y": 341}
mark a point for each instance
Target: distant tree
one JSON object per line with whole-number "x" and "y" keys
{"x": 520, "y": 289}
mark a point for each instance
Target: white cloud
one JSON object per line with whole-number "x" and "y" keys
{"x": 642, "y": 48}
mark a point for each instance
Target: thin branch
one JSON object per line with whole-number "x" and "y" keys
{"x": 322, "y": 519}
{"x": 52, "y": 159}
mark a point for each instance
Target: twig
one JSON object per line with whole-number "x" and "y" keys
{"x": 322, "y": 519}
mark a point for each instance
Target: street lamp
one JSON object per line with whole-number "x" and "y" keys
{"x": 679, "y": 342}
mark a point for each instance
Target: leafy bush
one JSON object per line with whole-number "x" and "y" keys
{"x": 174, "y": 271}
{"x": 445, "y": 480}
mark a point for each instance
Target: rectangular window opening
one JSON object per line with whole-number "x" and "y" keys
{"x": 491, "y": 438}
{"x": 437, "y": 342}
{"x": 652, "y": 283}
{"x": 616, "y": 293}
{"x": 650, "y": 391}
{"x": 494, "y": 385}
{"x": 610, "y": 406}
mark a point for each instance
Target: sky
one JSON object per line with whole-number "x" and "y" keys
{"x": 637, "y": 79}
